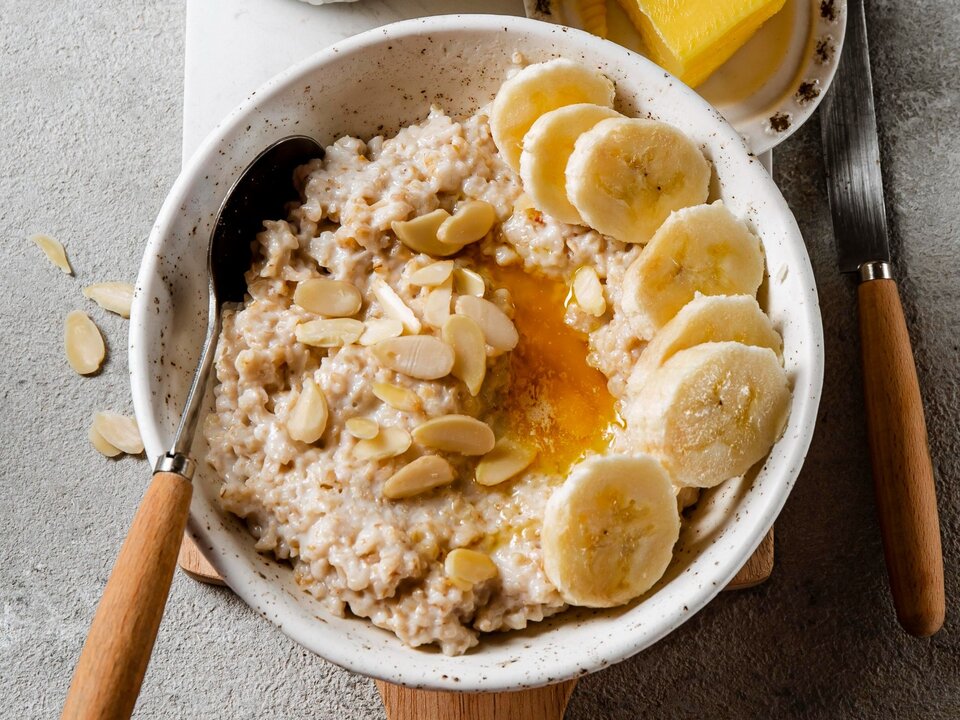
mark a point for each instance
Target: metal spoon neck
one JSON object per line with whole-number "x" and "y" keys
{"x": 186, "y": 429}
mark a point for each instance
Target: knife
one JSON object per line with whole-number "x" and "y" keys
{"x": 902, "y": 471}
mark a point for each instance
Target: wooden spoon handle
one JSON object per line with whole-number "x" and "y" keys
{"x": 546, "y": 703}
{"x": 114, "y": 658}
{"x": 902, "y": 471}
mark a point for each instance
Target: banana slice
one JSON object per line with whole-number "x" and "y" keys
{"x": 609, "y": 530}
{"x": 712, "y": 411}
{"x": 707, "y": 318}
{"x": 538, "y": 89}
{"x": 626, "y": 175}
{"x": 701, "y": 249}
{"x": 546, "y": 149}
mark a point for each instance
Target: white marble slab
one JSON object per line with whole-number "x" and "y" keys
{"x": 234, "y": 46}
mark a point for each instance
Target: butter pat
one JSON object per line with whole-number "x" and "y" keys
{"x": 692, "y": 38}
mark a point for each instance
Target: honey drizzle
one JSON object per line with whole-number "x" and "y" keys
{"x": 553, "y": 400}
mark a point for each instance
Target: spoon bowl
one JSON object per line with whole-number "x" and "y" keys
{"x": 260, "y": 192}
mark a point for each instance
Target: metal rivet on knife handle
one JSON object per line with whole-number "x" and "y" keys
{"x": 875, "y": 271}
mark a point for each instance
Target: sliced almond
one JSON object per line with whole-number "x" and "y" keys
{"x": 507, "y": 459}
{"x": 470, "y": 222}
{"x": 466, "y": 567}
{"x": 83, "y": 342}
{"x": 422, "y": 475}
{"x": 54, "y": 251}
{"x": 117, "y": 297}
{"x": 436, "y": 309}
{"x": 329, "y": 333}
{"x": 498, "y": 330}
{"x": 399, "y": 398}
{"x": 502, "y": 298}
{"x": 323, "y": 296}
{"x": 421, "y": 356}
{"x": 120, "y": 431}
{"x": 469, "y": 351}
{"x": 432, "y": 274}
{"x": 588, "y": 292}
{"x": 456, "y": 433}
{"x": 420, "y": 234}
{"x": 102, "y": 446}
{"x": 379, "y": 329}
{"x": 394, "y": 306}
{"x": 363, "y": 428}
{"x": 468, "y": 282}
{"x": 388, "y": 443}
{"x": 308, "y": 418}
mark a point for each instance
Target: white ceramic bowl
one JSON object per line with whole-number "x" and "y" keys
{"x": 376, "y": 82}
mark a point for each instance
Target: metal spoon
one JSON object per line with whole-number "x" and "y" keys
{"x": 108, "y": 675}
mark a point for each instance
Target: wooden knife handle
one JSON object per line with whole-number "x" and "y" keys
{"x": 902, "y": 471}
{"x": 107, "y": 678}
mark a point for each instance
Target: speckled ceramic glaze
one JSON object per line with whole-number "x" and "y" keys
{"x": 374, "y": 83}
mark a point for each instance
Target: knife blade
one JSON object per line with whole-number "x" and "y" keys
{"x": 896, "y": 428}
{"x": 852, "y": 153}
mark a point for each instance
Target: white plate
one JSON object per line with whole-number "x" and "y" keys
{"x": 772, "y": 84}
{"x": 376, "y": 82}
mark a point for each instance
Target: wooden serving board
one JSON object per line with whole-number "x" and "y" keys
{"x": 546, "y": 703}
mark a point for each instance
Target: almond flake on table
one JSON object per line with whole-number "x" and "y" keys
{"x": 54, "y": 251}
{"x": 119, "y": 431}
{"x": 117, "y": 297}
{"x": 83, "y": 343}
{"x": 101, "y": 444}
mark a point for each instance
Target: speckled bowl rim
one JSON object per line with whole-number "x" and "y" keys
{"x": 423, "y": 669}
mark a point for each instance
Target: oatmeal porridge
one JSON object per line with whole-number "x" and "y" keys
{"x": 433, "y": 381}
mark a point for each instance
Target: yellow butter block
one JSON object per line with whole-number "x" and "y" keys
{"x": 692, "y": 38}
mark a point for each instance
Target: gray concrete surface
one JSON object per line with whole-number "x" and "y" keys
{"x": 89, "y": 143}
